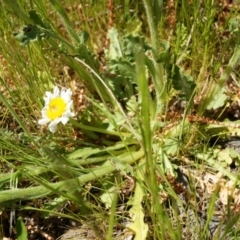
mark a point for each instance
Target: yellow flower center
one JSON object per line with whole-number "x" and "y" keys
{"x": 57, "y": 107}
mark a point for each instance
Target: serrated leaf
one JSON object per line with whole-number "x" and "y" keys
{"x": 132, "y": 106}
{"x": 108, "y": 196}
{"x": 29, "y": 33}
{"x": 234, "y": 25}
{"x": 123, "y": 167}
{"x": 123, "y": 68}
{"x": 225, "y": 156}
{"x": 234, "y": 154}
{"x": 85, "y": 53}
{"x": 171, "y": 146}
{"x": 163, "y": 56}
{"x": 37, "y": 19}
{"x": 84, "y": 153}
{"x": 21, "y": 230}
{"x": 130, "y": 42}
{"x": 183, "y": 83}
{"x": 122, "y": 84}
{"x": 162, "y": 157}
{"x": 114, "y": 51}
{"x": 83, "y": 37}
{"x": 218, "y": 100}
{"x": 138, "y": 226}
{"x": 167, "y": 165}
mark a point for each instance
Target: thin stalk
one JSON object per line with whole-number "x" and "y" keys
{"x": 151, "y": 23}
{"x": 64, "y": 17}
{"x": 16, "y": 117}
{"x": 158, "y": 79}
{"x": 96, "y": 129}
{"x": 112, "y": 216}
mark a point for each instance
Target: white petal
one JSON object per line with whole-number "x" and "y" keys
{"x": 69, "y": 113}
{"x": 67, "y": 95}
{"x": 53, "y": 126}
{"x": 44, "y": 112}
{"x": 72, "y": 114}
{"x": 64, "y": 119}
{"x": 63, "y": 90}
{"x": 48, "y": 94}
{"x": 43, "y": 121}
{"x": 70, "y": 103}
{"x": 56, "y": 92}
{"x": 69, "y": 92}
{"x": 47, "y": 100}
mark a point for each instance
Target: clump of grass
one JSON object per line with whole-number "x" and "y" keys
{"x": 147, "y": 106}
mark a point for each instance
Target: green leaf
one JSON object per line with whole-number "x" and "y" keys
{"x": 183, "y": 83}
{"x": 218, "y": 100}
{"x": 37, "y": 19}
{"x": 130, "y": 42}
{"x": 108, "y": 196}
{"x": 156, "y": 8}
{"x": 234, "y": 25}
{"x": 224, "y": 156}
{"x": 168, "y": 167}
{"x": 227, "y": 155}
{"x": 122, "y": 167}
{"x": 121, "y": 56}
{"x": 123, "y": 84}
{"x": 83, "y": 37}
{"x": 163, "y": 56}
{"x": 122, "y": 68}
{"x": 85, "y": 54}
{"x": 115, "y": 50}
{"x": 29, "y": 33}
{"x": 171, "y": 146}
{"x": 162, "y": 156}
{"x": 21, "y": 230}
{"x": 139, "y": 227}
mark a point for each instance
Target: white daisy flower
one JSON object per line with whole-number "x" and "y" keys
{"x": 58, "y": 108}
